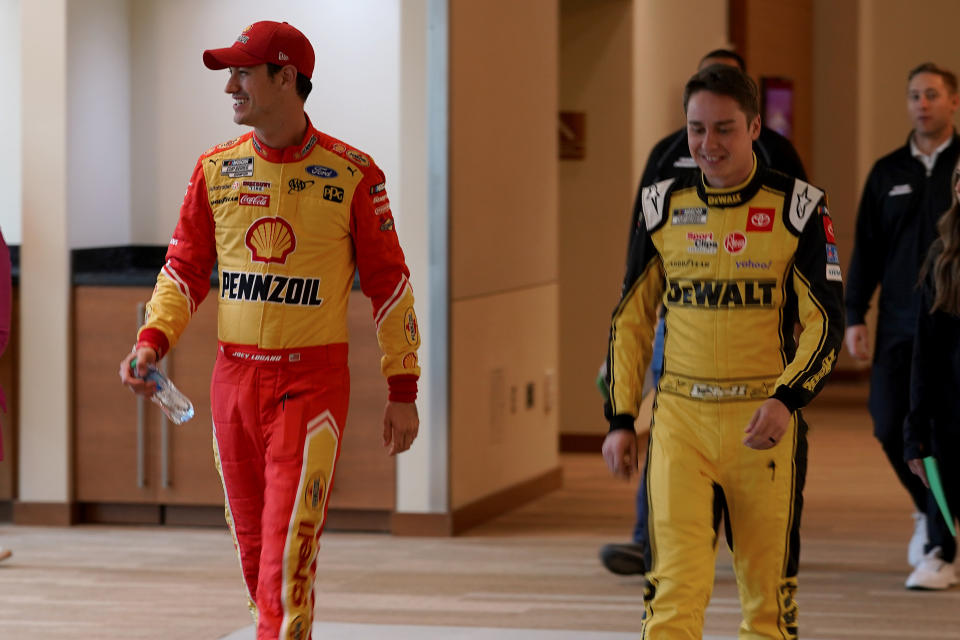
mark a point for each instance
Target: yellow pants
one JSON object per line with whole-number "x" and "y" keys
{"x": 696, "y": 454}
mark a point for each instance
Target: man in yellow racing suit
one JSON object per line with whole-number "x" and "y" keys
{"x": 737, "y": 255}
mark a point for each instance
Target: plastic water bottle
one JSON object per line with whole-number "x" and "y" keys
{"x": 176, "y": 406}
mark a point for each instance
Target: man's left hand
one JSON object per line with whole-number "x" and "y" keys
{"x": 767, "y": 425}
{"x": 400, "y": 425}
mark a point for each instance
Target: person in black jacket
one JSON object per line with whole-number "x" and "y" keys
{"x": 905, "y": 193}
{"x": 932, "y": 427}
{"x": 670, "y": 158}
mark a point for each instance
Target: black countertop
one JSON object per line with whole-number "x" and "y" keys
{"x": 118, "y": 266}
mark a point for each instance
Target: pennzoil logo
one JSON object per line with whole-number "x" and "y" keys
{"x": 270, "y": 240}
{"x": 722, "y": 294}
{"x": 358, "y": 157}
{"x": 257, "y": 287}
{"x": 314, "y": 492}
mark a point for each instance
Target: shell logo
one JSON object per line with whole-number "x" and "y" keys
{"x": 270, "y": 240}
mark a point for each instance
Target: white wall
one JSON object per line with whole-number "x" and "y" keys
{"x": 10, "y": 160}
{"x": 98, "y": 135}
{"x": 180, "y": 109}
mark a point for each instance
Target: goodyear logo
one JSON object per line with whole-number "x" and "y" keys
{"x": 258, "y": 287}
{"x": 722, "y": 294}
{"x": 724, "y": 199}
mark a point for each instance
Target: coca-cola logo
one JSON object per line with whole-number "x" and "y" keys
{"x": 735, "y": 242}
{"x": 255, "y": 199}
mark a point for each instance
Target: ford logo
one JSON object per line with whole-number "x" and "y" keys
{"x": 321, "y": 171}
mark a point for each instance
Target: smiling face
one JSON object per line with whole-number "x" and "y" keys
{"x": 931, "y": 105}
{"x": 256, "y": 96}
{"x": 720, "y": 138}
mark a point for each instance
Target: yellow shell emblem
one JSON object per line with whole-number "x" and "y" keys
{"x": 271, "y": 240}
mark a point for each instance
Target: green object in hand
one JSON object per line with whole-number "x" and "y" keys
{"x": 933, "y": 477}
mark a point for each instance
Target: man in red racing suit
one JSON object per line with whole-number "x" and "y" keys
{"x": 288, "y": 213}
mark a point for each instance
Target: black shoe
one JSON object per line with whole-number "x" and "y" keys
{"x": 623, "y": 559}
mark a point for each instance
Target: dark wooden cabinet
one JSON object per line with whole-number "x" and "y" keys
{"x": 173, "y": 465}
{"x": 117, "y": 460}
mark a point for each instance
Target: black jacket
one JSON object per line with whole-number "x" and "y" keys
{"x": 933, "y": 425}
{"x": 670, "y": 158}
{"x": 896, "y": 223}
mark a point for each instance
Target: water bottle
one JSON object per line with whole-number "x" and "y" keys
{"x": 176, "y": 406}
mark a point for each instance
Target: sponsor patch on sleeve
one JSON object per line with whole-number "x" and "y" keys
{"x": 828, "y": 227}
{"x": 833, "y": 273}
{"x": 377, "y": 188}
{"x": 833, "y": 257}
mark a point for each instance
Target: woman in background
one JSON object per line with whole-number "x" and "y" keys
{"x": 932, "y": 427}
{"x": 5, "y": 287}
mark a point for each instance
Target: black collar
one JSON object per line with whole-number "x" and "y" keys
{"x": 732, "y": 196}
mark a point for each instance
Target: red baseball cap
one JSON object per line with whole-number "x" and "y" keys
{"x": 261, "y": 42}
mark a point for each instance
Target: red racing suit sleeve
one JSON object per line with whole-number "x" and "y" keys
{"x": 184, "y": 281}
{"x": 385, "y": 279}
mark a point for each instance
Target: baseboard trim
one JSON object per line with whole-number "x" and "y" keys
{"x": 422, "y": 525}
{"x": 478, "y": 511}
{"x": 375, "y": 520}
{"x": 45, "y": 514}
{"x": 581, "y": 442}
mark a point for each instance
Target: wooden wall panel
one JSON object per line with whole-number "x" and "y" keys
{"x": 775, "y": 37}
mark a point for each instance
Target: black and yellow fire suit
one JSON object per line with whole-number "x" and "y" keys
{"x": 735, "y": 269}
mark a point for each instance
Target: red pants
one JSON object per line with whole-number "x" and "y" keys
{"x": 278, "y": 417}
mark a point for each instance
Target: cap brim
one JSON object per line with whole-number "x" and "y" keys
{"x": 229, "y": 57}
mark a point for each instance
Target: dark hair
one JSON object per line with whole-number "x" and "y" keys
{"x": 729, "y": 81}
{"x": 726, "y": 53}
{"x": 945, "y": 267}
{"x": 949, "y": 77}
{"x": 304, "y": 86}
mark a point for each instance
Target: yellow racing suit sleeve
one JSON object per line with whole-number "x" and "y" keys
{"x": 634, "y": 322}
{"x": 817, "y": 285}
{"x": 184, "y": 280}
